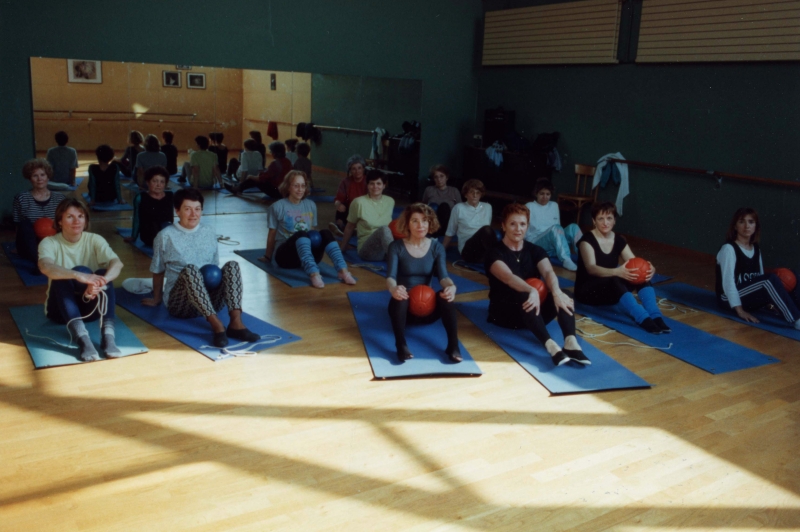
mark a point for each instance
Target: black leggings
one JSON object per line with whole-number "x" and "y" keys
{"x": 475, "y": 248}
{"x": 287, "y": 257}
{"x": 264, "y": 186}
{"x": 443, "y": 215}
{"x": 398, "y": 312}
{"x": 27, "y": 243}
{"x": 537, "y": 324}
{"x": 605, "y": 290}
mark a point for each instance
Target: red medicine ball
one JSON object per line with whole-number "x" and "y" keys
{"x": 393, "y": 228}
{"x": 539, "y": 286}
{"x": 43, "y": 227}
{"x": 787, "y": 278}
{"x": 642, "y": 269}
{"x": 421, "y": 300}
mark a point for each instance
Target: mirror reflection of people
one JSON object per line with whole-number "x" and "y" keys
{"x": 413, "y": 261}
{"x": 220, "y": 149}
{"x": 128, "y": 162}
{"x": 289, "y": 221}
{"x": 151, "y": 156}
{"x": 515, "y": 304}
{"x": 470, "y": 221}
{"x": 170, "y": 151}
{"x": 251, "y": 163}
{"x": 152, "y": 208}
{"x": 442, "y": 196}
{"x": 31, "y": 205}
{"x": 270, "y": 179}
{"x": 63, "y": 159}
{"x": 369, "y": 216}
{"x": 350, "y": 188}
{"x": 204, "y": 165}
{"x": 180, "y": 250}
{"x": 602, "y": 280}
{"x": 545, "y": 226}
{"x": 104, "y": 177}
{"x": 80, "y": 265}
{"x": 303, "y": 163}
{"x": 84, "y": 70}
{"x": 742, "y": 286}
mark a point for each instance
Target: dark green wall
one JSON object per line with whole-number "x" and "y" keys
{"x": 429, "y": 40}
{"x": 360, "y": 103}
{"x": 740, "y": 118}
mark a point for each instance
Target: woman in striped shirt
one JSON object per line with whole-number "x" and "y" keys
{"x": 29, "y": 206}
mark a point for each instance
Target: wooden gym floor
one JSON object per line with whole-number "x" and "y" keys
{"x": 302, "y": 438}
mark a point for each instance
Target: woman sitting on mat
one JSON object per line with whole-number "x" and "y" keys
{"x": 31, "y": 205}
{"x": 515, "y": 304}
{"x": 153, "y": 209}
{"x": 601, "y": 280}
{"x": 471, "y": 222}
{"x": 270, "y": 179}
{"x": 251, "y": 162}
{"x": 545, "y": 229}
{"x": 127, "y": 164}
{"x": 413, "y": 261}
{"x": 370, "y": 217}
{"x": 104, "y": 177}
{"x": 151, "y": 156}
{"x": 80, "y": 267}
{"x": 351, "y": 187}
{"x": 439, "y": 196}
{"x": 289, "y": 221}
{"x": 180, "y": 251}
{"x": 741, "y": 284}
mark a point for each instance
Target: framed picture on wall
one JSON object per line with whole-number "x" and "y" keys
{"x": 84, "y": 71}
{"x": 195, "y": 81}
{"x": 171, "y": 79}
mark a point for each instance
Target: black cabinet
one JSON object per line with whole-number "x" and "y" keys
{"x": 516, "y": 175}
{"x": 407, "y": 163}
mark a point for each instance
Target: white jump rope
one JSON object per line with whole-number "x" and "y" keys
{"x": 101, "y": 307}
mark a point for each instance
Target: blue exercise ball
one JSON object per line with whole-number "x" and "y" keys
{"x": 212, "y": 276}
{"x": 434, "y": 206}
{"x": 316, "y": 239}
{"x": 498, "y": 234}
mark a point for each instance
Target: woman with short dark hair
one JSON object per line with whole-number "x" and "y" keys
{"x": 152, "y": 156}
{"x": 104, "y": 177}
{"x": 152, "y": 209}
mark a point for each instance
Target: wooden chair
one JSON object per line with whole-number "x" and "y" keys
{"x": 584, "y": 194}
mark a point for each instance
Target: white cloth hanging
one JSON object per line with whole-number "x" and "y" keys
{"x": 377, "y": 143}
{"x": 624, "y": 185}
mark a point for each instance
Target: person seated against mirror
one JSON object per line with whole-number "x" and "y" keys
{"x": 104, "y": 178}
{"x": 180, "y": 251}
{"x": 128, "y": 162}
{"x": 251, "y": 163}
{"x": 291, "y": 150}
{"x": 303, "y": 163}
{"x": 440, "y": 197}
{"x": 369, "y": 216}
{"x": 170, "y": 151}
{"x": 153, "y": 208}
{"x": 471, "y": 221}
{"x": 32, "y": 205}
{"x": 63, "y": 160}
{"x": 203, "y": 165}
{"x": 288, "y": 241}
{"x": 270, "y": 179}
{"x": 514, "y": 304}
{"x": 545, "y": 228}
{"x": 260, "y": 146}
{"x": 80, "y": 268}
{"x": 413, "y": 261}
{"x": 352, "y": 187}
{"x": 151, "y": 156}
{"x": 220, "y": 149}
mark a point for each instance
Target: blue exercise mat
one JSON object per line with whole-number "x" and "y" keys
{"x": 130, "y": 185}
{"x": 454, "y": 257}
{"x": 196, "y": 333}
{"x": 706, "y": 301}
{"x": 604, "y": 373}
{"x": 78, "y": 181}
{"x": 322, "y": 199}
{"x": 294, "y": 277}
{"x": 125, "y": 232}
{"x": 108, "y": 206}
{"x": 563, "y": 282}
{"x": 694, "y": 346}
{"x": 463, "y": 286}
{"x": 46, "y": 353}
{"x": 251, "y": 190}
{"x": 25, "y": 268}
{"x": 175, "y": 182}
{"x": 426, "y": 342}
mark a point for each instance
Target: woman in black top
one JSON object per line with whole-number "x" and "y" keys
{"x": 128, "y": 163}
{"x": 601, "y": 280}
{"x": 515, "y": 304}
{"x": 104, "y": 177}
{"x": 260, "y": 146}
{"x": 220, "y": 149}
{"x": 153, "y": 209}
{"x": 170, "y": 151}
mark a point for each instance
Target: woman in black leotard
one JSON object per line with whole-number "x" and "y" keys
{"x": 153, "y": 209}
{"x": 601, "y": 280}
{"x": 515, "y": 304}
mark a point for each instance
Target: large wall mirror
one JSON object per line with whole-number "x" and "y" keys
{"x": 100, "y": 102}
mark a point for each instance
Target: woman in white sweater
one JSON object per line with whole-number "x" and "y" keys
{"x": 544, "y": 228}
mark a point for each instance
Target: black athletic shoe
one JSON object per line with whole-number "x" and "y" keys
{"x": 404, "y": 354}
{"x": 559, "y": 359}
{"x": 661, "y": 324}
{"x": 245, "y": 335}
{"x": 220, "y": 339}
{"x": 650, "y": 326}
{"x": 578, "y": 356}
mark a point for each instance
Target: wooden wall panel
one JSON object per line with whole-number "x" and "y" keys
{"x": 575, "y": 32}
{"x": 719, "y": 30}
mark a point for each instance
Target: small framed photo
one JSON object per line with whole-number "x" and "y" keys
{"x": 195, "y": 81}
{"x": 183, "y": 67}
{"x": 84, "y": 71}
{"x": 171, "y": 79}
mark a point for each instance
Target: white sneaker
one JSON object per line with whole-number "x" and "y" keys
{"x": 797, "y": 325}
{"x": 569, "y": 265}
{"x": 139, "y": 286}
{"x": 335, "y": 230}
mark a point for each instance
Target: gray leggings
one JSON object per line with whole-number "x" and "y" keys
{"x": 377, "y": 244}
{"x": 190, "y": 298}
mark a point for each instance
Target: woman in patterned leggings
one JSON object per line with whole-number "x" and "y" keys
{"x": 179, "y": 252}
